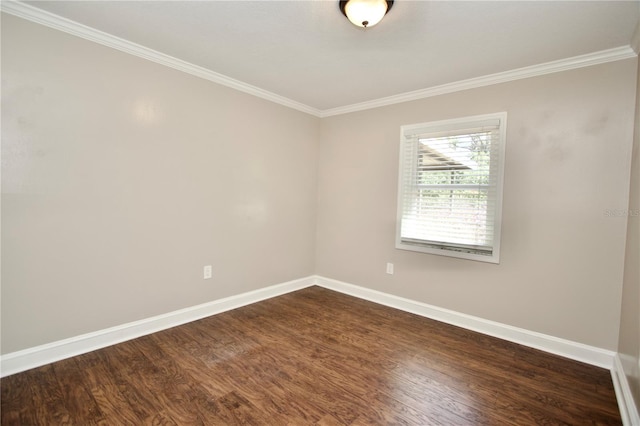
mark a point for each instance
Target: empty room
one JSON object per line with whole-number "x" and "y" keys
{"x": 323, "y": 212}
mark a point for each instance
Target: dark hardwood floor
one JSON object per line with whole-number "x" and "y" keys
{"x": 313, "y": 357}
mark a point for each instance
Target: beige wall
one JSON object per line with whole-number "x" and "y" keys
{"x": 569, "y": 138}
{"x": 629, "y": 345}
{"x": 122, "y": 178}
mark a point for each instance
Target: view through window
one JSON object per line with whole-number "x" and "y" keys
{"x": 451, "y": 187}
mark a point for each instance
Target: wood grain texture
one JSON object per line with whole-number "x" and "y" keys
{"x": 312, "y": 357}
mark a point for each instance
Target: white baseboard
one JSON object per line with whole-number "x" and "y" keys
{"x": 626, "y": 403}
{"x": 566, "y": 348}
{"x": 16, "y": 362}
{"x": 37, "y": 356}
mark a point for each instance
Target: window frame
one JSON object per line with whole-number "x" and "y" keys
{"x": 452, "y": 249}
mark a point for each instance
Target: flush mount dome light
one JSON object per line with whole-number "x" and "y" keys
{"x": 365, "y": 13}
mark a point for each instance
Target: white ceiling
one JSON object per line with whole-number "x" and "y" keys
{"x": 307, "y": 51}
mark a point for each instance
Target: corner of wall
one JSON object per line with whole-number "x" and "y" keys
{"x": 626, "y": 403}
{"x": 635, "y": 40}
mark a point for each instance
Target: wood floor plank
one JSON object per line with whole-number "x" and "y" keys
{"x": 123, "y": 372}
{"x": 47, "y": 405}
{"x": 105, "y": 390}
{"x": 363, "y": 380}
{"x": 312, "y": 357}
{"x": 77, "y": 398}
{"x": 14, "y": 410}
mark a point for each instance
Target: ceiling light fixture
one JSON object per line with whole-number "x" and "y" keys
{"x": 365, "y": 13}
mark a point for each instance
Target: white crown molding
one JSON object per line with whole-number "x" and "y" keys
{"x": 16, "y": 362}
{"x": 51, "y": 20}
{"x": 555, "y": 345}
{"x": 589, "y": 59}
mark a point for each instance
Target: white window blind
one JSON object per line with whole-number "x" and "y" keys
{"x": 450, "y": 187}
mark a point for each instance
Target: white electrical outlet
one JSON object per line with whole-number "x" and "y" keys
{"x": 390, "y": 268}
{"x": 208, "y": 272}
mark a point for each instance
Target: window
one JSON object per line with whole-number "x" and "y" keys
{"x": 450, "y": 187}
